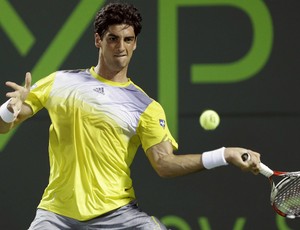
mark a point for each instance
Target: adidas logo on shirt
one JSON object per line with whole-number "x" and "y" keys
{"x": 99, "y": 90}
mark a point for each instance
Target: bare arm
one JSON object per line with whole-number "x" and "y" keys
{"x": 167, "y": 164}
{"x": 16, "y": 105}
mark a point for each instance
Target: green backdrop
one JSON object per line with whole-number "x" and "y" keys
{"x": 240, "y": 58}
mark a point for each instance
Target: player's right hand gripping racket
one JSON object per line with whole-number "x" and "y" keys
{"x": 285, "y": 195}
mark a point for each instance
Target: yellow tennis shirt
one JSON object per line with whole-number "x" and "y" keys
{"x": 97, "y": 127}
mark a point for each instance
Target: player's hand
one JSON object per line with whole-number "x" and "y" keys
{"x": 19, "y": 95}
{"x": 234, "y": 156}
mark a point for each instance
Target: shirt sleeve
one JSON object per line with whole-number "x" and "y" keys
{"x": 153, "y": 127}
{"x": 39, "y": 93}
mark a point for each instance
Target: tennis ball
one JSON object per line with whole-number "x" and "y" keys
{"x": 209, "y": 119}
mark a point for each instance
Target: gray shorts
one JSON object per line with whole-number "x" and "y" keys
{"x": 126, "y": 217}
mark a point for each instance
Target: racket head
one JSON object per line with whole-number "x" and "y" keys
{"x": 285, "y": 196}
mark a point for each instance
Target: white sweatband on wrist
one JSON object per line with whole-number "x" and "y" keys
{"x": 5, "y": 114}
{"x": 213, "y": 159}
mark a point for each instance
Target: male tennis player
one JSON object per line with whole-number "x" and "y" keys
{"x": 99, "y": 119}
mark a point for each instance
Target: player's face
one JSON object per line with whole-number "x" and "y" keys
{"x": 116, "y": 47}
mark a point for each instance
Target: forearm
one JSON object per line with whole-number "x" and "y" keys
{"x": 178, "y": 165}
{"x": 167, "y": 164}
{"x": 170, "y": 165}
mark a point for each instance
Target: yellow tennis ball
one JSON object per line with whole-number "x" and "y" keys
{"x": 209, "y": 120}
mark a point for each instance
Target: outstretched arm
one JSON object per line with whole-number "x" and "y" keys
{"x": 167, "y": 164}
{"x": 15, "y": 110}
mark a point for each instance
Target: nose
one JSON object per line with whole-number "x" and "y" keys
{"x": 120, "y": 45}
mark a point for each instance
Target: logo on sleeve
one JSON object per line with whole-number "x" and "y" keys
{"x": 162, "y": 123}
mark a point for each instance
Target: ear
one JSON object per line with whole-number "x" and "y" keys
{"x": 135, "y": 44}
{"x": 97, "y": 40}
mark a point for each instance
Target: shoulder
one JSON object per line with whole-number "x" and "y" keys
{"x": 141, "y": 97}
{"x": 154, "y": 109}
{"x": 74, "y": 72}
{"x": 72, "y": 76}
{"x": 153, "y": 106}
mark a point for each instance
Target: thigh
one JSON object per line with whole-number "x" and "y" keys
{"x": 46, "y": 220}
{"x": 127, "y": 217}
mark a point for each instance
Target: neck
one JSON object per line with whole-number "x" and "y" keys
{"x": 117, "y": 76}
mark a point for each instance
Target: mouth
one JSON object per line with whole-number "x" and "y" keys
{"x": 120, "y": 55}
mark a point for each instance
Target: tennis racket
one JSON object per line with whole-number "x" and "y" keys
{"x": 285, "y": 195}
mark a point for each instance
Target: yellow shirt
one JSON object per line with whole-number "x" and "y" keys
{"x": 97, "y": 127}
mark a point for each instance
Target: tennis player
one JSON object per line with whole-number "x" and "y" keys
{"x": 99, "y": 119}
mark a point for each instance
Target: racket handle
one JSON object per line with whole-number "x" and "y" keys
{"x": 265, "y": 170}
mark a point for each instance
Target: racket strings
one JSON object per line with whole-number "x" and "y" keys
{"x": 287, "y": 198}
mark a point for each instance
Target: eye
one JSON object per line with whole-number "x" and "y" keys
{"x": 112, "y": 39}
{"x": 129, "y": 39}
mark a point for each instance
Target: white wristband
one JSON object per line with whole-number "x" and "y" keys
{"x": 213, "y": 159}
{"x": 5, "y": 114}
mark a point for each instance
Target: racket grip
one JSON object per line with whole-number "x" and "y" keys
{"x": 265, "y": 170}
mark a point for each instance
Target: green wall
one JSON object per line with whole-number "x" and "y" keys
{"x": 239, "y": 58}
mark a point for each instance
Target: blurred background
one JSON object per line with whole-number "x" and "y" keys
{"x": 240, "y": 58}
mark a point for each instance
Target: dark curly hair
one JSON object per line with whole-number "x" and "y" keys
{"x": 115, "y": 14}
